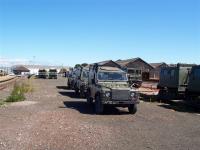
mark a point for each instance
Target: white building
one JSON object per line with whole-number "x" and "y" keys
{"x": 35, "y": 68}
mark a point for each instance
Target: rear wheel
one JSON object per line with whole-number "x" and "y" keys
{"x": 68, "y": 84}
{"x": 98, "y": 105}
{"x": 82, "y": 93}
{"x": 162, "y": 95}
{"x": 132, "y": 109}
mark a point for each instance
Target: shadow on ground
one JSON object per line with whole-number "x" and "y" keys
{"x": 62, "y": 87}
{"x": 85, "y": 108}
{"x": 69, "y": 93}
{"x": 181, "y": 106}
{"x": 177, "y": 105}
{"x": 81, "y": 105}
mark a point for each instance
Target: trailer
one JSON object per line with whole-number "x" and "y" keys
{"x": 193, "y": 88}
{"x": 174, "y": 81}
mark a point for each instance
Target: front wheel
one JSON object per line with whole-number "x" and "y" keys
{"x": 89, "y": 99}
{"x": 98, "y": 105}
{"x": 77, "y": 92}
{"x": 82, "y": 93}
{"x": 132, "y": 109}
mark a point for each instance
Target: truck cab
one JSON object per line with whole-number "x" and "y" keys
{"x": 42, "y": 73}
{"x": 134, "y": 76}
{"x": 53, "y": 74}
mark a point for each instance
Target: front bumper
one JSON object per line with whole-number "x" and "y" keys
{"x": 84, "y": 88}
{"x": 120, "y": 103}
{"x": 110, "y": 101}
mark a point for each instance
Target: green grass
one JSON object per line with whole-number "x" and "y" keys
{"x": 18, "y": 92}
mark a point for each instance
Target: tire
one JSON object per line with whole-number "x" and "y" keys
{"x": 162, "y": 95}
{"x": 188, "y": 96}
{"x": 132, "y": 109}
{"x": 98, "y": 105}
{"x": 89, "y": 99}
{"x": 68, "y": 85}
{"x": 77, "y": 92}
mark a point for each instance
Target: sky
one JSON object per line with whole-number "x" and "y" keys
{"x": 68, "y": 32}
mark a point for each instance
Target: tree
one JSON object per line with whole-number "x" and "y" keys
{"x": 77, "y": 66}
{"x": 84, "y": 64}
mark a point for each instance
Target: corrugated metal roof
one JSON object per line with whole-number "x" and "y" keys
{"x": 155, "y": 65}
{"x": 106, "y": 63}
{"x": 124, "y": 63}
{"x": 21, "y": 69}
{"x": 110, "y": 68}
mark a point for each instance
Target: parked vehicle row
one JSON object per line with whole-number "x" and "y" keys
{"x": 52, "y": 74}
{"x": 104, "y": 85}
{"x": 181, "y": 80}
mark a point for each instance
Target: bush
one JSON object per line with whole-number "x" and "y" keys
{"x": 17, "y": 94}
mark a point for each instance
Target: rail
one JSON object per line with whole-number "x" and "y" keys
{"x": 7, "y": 81}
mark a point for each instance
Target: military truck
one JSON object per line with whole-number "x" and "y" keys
{"x": 81, "y": 84}
{"x": 193, "y": 88}
{"x": 173, "y": 81}
{"x": 42, "y": 73}
{"x": 53, "y": 74}
{"x": 109, "y": 86}
{"x": 134, "y": 76}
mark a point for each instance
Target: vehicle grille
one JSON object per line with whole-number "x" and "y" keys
{"x": 120, "y": 94}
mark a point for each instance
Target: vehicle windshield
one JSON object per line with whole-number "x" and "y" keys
{"x": 52, "y": 70}
{"x": 112, "y": 76}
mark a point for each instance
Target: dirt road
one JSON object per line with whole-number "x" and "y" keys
{"x": 53, "y": 118}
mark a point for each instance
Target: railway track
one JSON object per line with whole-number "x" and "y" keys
{"x": 7, "y": 82}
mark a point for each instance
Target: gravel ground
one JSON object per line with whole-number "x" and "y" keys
{"x": 53, "y": 118}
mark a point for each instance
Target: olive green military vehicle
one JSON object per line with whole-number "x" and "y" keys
{"x": 71, "y": 80}
{"x": 81, "y": 84}
{"x": 193, "y": 88}
{"x": 53, "y": 74}
{"x": 134, "y": 76}
{"x": 109, "y": 86}
{"x": 42, "y": 73}
{"x": 173, "y": 81}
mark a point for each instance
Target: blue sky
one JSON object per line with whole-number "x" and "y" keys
{"x": 76, "y": 31}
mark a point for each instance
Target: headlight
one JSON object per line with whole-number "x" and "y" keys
{"x": 133, "y": 94}
{"x": 107, "y": 94}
